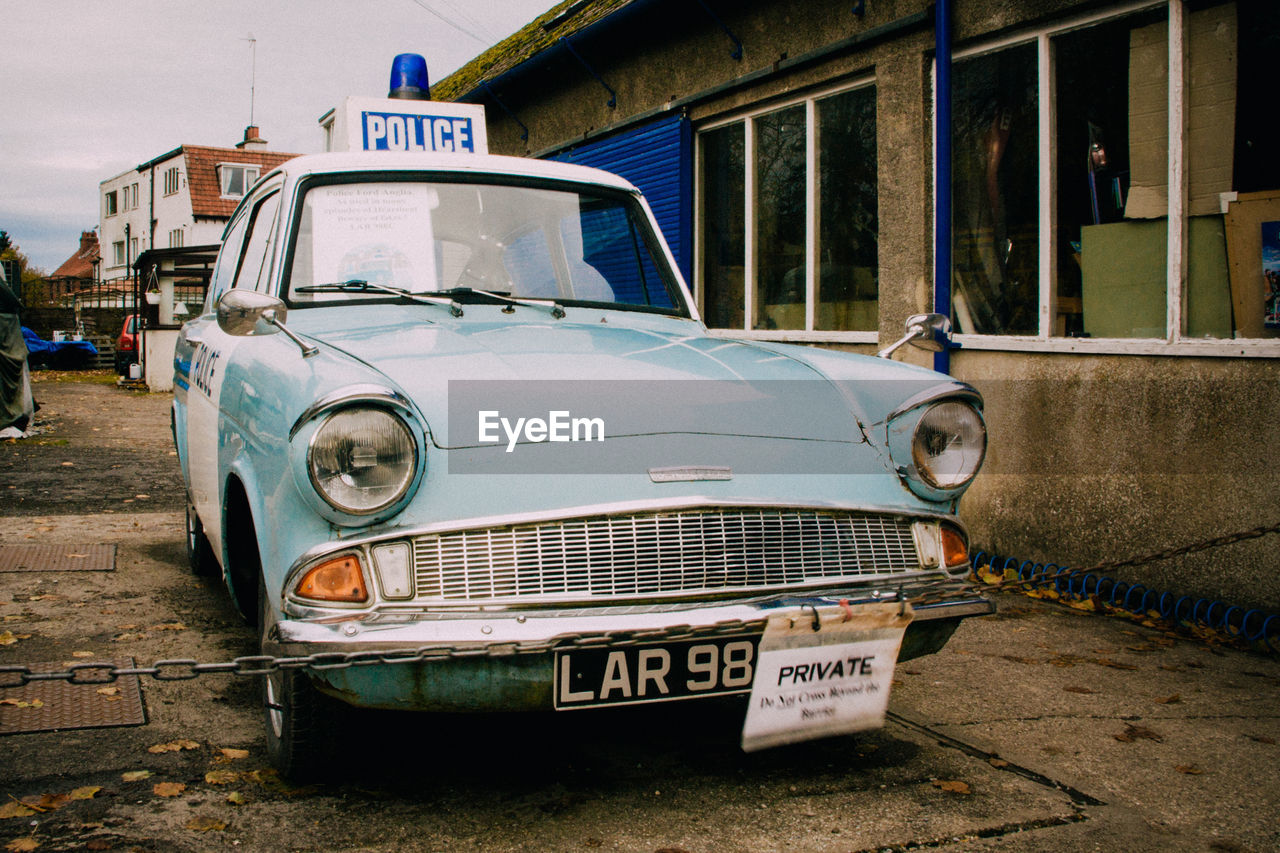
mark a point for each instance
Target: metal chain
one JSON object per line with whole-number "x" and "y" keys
{"x": 1216, "y": 542}
{"x": 186, "y": 669}
{"x": 1204, "y": 545}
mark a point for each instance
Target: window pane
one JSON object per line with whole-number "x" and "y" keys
{"x": 1111, "y": 97}
{"x": 1211, "y": 128}
{"x": 254, "y": 266}
{"x": 604, "y": 242}
{"x": 780, "y": 219}
{"x": 847, "y": 214}
{"x": 995, "y": 215}
{"x": 723, "y": 226}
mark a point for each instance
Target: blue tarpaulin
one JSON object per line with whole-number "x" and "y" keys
{"x": 56, "y": 353}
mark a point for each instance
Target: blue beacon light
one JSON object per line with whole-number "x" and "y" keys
{"x": 409, "y": 78}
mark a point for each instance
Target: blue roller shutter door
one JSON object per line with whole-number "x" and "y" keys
{"x": 658, "y": 158}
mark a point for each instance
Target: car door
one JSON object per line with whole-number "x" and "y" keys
{"x": 203, "y": 351}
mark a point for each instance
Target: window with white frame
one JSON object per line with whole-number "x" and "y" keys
{"x": 117, "y": 253}
{"x": 171, "y": 180}
{"x": 109, "y": 204}
{"x": 236, "y": 179}
{"x": 133, "y": 248}
{"x": 175, "y": 238}
{"x": 787, "y": 206}
{"x": 1079, "y": 215}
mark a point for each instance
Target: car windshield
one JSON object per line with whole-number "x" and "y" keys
{"x": 459, "y": 238}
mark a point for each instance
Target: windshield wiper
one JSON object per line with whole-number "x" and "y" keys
{"x": 358, "y": 285}
{"x": 557, "y": 310}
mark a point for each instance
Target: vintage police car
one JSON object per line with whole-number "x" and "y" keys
{"x": 455, "y": 420}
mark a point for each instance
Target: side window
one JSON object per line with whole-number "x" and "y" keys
{"x": 256, "y": 264}
{"x": 228, "y": 259}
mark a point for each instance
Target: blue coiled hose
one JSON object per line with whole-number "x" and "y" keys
{"x": 1257, "y": 627}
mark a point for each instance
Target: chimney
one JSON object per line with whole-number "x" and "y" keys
{"x": 252, "y": 142}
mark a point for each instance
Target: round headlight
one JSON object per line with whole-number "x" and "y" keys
{"x": 362, "y": 460}
{"x": 949, "y": 443}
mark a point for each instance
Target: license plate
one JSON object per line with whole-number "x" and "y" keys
{"x": 661, "y": 672}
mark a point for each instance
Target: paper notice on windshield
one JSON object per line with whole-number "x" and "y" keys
{"x": 810, "y": 684}
{"x": 375, "y": 232}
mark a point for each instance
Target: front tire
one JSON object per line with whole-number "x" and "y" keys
{"x": 302, "y": 723}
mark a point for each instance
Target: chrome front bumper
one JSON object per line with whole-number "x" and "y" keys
{"x": 503, "y": 660}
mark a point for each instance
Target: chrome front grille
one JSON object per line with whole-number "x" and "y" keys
{"x": 661, "y": 553}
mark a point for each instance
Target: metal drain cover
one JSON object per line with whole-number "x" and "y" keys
{"x": 57, "y": 558}
{"x": 47, "y": 706}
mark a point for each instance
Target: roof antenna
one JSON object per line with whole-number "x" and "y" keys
{"x": 253, "y": 73}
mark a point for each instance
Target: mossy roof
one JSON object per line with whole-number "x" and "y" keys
{"x": 561, "y": 21}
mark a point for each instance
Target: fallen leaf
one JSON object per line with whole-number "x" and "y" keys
{"x": 1071, "y": 688}
{"x": 8, "y": 638}
{"x": 1170, "y": 700}
{"x": 1113, "y": 664}
{"x": 46, "y": 802}
{"x": 14, "y": 809}
{"x": 233, "y": 754}
{"x": 85, "y": 793}
{"x": 989, "y": 577}
{"x": 136, "y": 775}
{"x": 235, "y": 798}
{"x": 82, "y": 654}
{"x": 168, "y": 626}
{"x": 1016, "y": 659}
{"x": 109, "y": 692}
{"x": 221, "y": 777}
{"x": 1189, "y": 769}
{"x": 997, "y": 762}
{"x": 173, "y": 746}
{"x": 21, "y": 845}
{"x": 952, "y": 787}
{"x": 19, "y": 703}
{"x": 206, "y": 824}
{"x": 168, "y": 789}
{"x": 1132, "y": 733}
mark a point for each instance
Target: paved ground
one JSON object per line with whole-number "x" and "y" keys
{"x": 1040, "y": 728}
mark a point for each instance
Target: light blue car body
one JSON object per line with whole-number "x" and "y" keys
{"x": 247, "y": 407}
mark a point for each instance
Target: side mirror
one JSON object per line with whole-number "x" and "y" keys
{"x": 245, "y": 313}
{"x": 242, "y": 313}
{"x": 927, "y": 331}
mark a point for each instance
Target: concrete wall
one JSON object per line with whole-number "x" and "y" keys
{"x": 1093, "y": 457}
{"x": 158, "y": 348}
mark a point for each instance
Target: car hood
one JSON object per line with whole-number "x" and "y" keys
{"x": 652, "y": 376}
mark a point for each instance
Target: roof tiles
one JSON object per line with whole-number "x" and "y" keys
{"x": 562, "y": 21}
{"x": 202, "y": 175}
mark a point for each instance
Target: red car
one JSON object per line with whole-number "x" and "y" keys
{"x": 127, "y": 344}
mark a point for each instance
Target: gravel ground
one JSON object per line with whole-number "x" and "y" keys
{"x": 94, "y": 447}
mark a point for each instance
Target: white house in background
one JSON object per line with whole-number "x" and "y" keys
{"x": 181, "y": 198}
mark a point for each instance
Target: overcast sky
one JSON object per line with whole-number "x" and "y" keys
{"x": 90, "y": 88}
